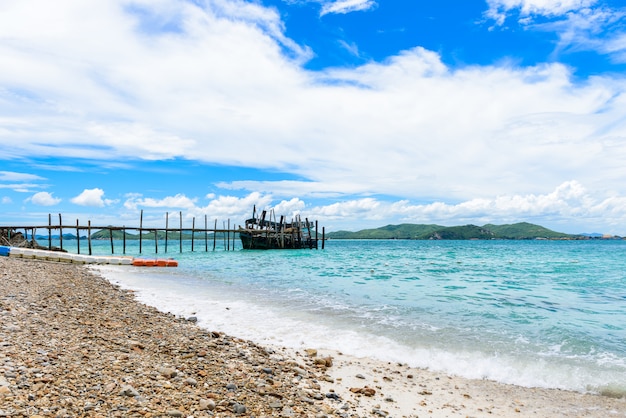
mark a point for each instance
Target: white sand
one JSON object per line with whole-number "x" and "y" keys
{"x": 401, "y": 391}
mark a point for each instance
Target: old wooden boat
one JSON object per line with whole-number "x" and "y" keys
{"x": 266, "y": 233}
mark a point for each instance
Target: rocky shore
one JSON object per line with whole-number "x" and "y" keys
{"x": 74, "y": 345}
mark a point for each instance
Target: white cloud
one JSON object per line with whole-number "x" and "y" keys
{"x": 580, "y": 24}
{"x": 178, "y": 201}
{"x": 44, "y": 199}
{"x": 20, "y": 182}
{"x": 13, "y": 176}
{"x": 289, "y": 208}
{"x": 498, "y": 9}
{"x": 568, "y": 206}
{"x": 347, "y": 6}
{"x": 6, "y": 200}
{"x": 351, "y": 209}
{"x": 91, "y": 197}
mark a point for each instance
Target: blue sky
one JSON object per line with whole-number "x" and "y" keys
{"x": 358, "y": 113}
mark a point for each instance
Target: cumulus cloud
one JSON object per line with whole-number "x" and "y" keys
{"x": 354, "y": 208}
{"x": 218, "y": 207}
{"x": 44, "y": 199}
{"x": 91, "y": 197}
{"x": 567, "y": 206}
{"x": 178, "y": 201}
{"x": 289, "y": 208}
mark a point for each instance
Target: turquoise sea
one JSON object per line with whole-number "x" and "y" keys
{"x": 532, "y": 313}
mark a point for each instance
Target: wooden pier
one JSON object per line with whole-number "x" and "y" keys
{"x": 206, "y": 235}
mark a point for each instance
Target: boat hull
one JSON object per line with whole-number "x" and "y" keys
{"x": 274, "y": 241}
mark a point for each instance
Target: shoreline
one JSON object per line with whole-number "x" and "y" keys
{"x": 72, "y": 343}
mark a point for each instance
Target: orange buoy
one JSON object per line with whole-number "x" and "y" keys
{"x": 159, "y": 262}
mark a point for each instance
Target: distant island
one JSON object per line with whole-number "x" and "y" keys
{"x": 517, "y": 231}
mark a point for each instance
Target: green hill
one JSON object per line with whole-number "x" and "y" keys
{"x": 460, "y": 232}
{"x": 402, "y": 231}
{"x": 522, "y": 230}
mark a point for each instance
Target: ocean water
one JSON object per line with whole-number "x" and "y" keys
{"x": 532, "y": 313}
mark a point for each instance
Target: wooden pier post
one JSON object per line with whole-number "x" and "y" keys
{"x": 156, "y": 241}
{"x": 49, "y": 231}
{"x": 77, "y": 238}
{"x": 60, "y": 232}
{"x": 316, "y": 226}
{"x": 111, "y": 238}
{"x": 193, "y": 229}
{"x": 228, "y": 236}
{"x": 214, "y": 234}
{"x": 89, "y": 236}
{"x": 206, "y": 236}
{"x": 180, "y": 237}
{"x": 167, "y": 223}
{"x": 323, "y": 234}
{"x": 124, "y": 239}
{"x": 140, "y": 229}
{"x": 308, "y": 227}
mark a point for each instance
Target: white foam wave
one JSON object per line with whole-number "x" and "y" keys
{"x": 219, "y": 309}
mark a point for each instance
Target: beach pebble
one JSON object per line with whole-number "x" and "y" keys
{"x": 239, "y": 408}
{"x": 206, "y": 404}
{"x": 128, "y": 390}
{"x": 167, "y": 372}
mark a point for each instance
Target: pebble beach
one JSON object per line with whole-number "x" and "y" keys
{"x": 74, "y": 345}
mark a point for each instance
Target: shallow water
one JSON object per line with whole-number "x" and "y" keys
{"x": 532, "y": 313}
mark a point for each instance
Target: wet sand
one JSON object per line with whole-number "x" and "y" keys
{"x": 72, "y": 344}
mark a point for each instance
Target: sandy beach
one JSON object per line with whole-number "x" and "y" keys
{"x": 72, "y": 344}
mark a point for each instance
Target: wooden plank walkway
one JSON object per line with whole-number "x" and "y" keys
{"x": 228, "y": 234}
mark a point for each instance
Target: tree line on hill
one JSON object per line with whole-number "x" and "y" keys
{"x": 517, "y": 231}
